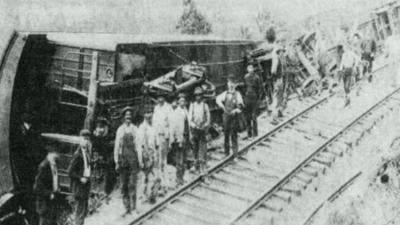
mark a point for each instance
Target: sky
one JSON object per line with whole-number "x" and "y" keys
{"x": 161, "y": 16}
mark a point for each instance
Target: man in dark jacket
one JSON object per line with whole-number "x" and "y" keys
{"x": 253, "y": 91}
{"x": 102, "y": 144}
{"x": 79, "y": 171}
{"x": 46, "y": 188}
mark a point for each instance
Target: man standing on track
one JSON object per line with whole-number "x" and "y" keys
{"x": 161, "y": 126}
{"x": 368, "y": 52}
{"x": 128, "y": 160}
{"x": 231, "y": 102}
{"x": 179, "y": 132}
{"x": 199, "y": 121}
{"x": 253, "y": 91}
{"x": 269, "y": 63}
{"x": 79, "y": 171}
{"x": 147, "y": 144}
{"x": 346, "y": 67}
{"x": 46, "y": 188}
{"x": 102, "y": 145}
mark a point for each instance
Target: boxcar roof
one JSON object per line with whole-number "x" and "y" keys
{"x": 109, "y": 41}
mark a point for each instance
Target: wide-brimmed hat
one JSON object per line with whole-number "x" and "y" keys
{"x": 198, "y": 91}
{"x": 126, "y": 109}
{"x": 102, "y": 120}
{"x": 231, "y": 77}
{"x": 84, "y": 133}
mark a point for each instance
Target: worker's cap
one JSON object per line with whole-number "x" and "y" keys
{"x": 231, "y": 77}
{"x": 161, "y": 95}
{"x": 181, "y": 95}
{"x": 252, "y": 62}
{"x": 280, "y": 49}
{"x": 84, "y": 133}
{"x": 198, "y": 91}
{"x": 102, "y": 121}
{"x": 126, "y": 109}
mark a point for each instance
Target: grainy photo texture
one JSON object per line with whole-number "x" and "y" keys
{"x": 200, "y": 112}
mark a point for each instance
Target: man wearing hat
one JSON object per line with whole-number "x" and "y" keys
{"x": 199, "y": 121}
{"x": 79, "y": 171}
{"x": 46, "y": 188}
{"x": 147, "y": 144}
{"x": 161, "y": 126}
{"x": 253, "y": 92}
{"x": 102, "y": 145}
{"x": 179, "y": 132}
{"x": 347, "y": 66}
{"x": 231, "y": 102}
{"x": 128, "y": 159}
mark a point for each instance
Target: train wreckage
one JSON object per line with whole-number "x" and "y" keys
{"x": 66, "y": 80}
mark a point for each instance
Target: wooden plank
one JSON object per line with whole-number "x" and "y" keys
{"x": 91, "y": 106}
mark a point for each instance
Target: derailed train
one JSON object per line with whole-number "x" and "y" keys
{"x": 66, "y": 80}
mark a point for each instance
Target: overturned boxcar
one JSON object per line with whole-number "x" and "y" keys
{"x": 63, "y": 81}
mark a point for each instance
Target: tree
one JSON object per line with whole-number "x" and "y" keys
{"x": 192, "y": 21}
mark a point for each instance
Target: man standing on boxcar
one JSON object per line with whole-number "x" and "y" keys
{"x": 253, "y": 92}
{"x": 79, "y": 171}
{"x": 231, "y": 102}
{"x": 147, "y": 143}
{"x": 199, "y": 122}
{"x": 46, "y": 189}
{"x": 179, "y": 132}
{"x": 128, "y": 160}
{"x": 161, "y": 126}
{"x": 102, "y": 145}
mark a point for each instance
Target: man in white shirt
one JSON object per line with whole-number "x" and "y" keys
{"x": 269, "y": 62}
{"x": 128, "y": 159}
{"x": 231, "y": 102}
{"x": 347, "y": 66}
{"x": 147, "y": 144}
{"x": 178, "y": 122}
{"x": 199, "y": 122}
{"x": 161, "y": 126}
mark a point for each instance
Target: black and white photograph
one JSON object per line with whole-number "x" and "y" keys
{"x": 200, "y": 112}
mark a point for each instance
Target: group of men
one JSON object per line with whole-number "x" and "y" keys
{"x": 168, "y": 128}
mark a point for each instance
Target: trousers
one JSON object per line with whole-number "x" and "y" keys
{"x": 81, "y": 209}
{"x": 180, "y": 156}
{"x": 199, "y": 148}
{"x": 230, "y": 133}
{"x": 251, "y": 116}
{"x": 128, "y": 176}
{"x": 347, "y": 76}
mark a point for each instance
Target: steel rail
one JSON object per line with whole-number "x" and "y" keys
{"x": 141, "y": 218}
{"x": 268, "y": 194}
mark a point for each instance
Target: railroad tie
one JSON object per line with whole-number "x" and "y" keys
{"x": 272, "y": 205}
{"x": 296, "y": 192}
{"x": 334, "y": 150}
{"x": 284, "y": 196}
{"x": 317, "y": 166}
{"x": 322, "y": 162}
{"x": 303, "y": 178}
{"x": 309, "y": 171}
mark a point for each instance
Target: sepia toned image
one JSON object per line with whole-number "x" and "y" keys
{"x": 200, "y": 112}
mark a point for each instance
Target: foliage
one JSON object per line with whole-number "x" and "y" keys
{"x": 192, "y": 21}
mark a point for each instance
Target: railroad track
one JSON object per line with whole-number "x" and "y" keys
{"x": 270, "y": 171}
